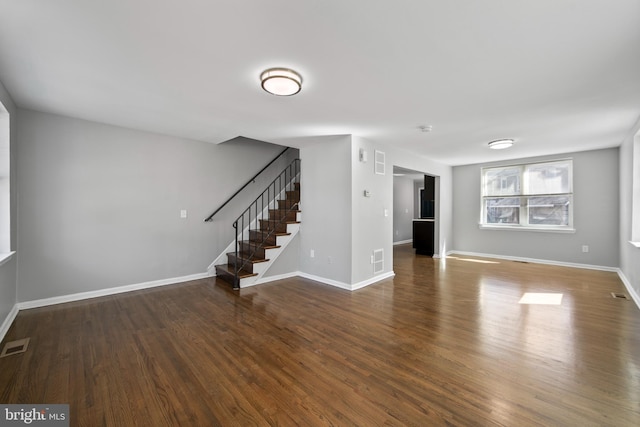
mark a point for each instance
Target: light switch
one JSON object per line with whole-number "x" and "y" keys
{"x": 183, "y": 213}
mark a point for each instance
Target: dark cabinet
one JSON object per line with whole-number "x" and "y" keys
{"x": 424, "y": 228}
{"x": 428, "y": 198}
{"x": 423, "y": 231}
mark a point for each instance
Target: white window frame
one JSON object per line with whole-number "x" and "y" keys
{"x": 524, "y": 197}
{"x": 5, "y": 192}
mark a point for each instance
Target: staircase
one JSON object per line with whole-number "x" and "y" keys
{"x": 263, "y": 230}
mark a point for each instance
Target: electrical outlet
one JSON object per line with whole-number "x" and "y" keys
{"x": 183, "y": 213}
{"x": 312, "y": 253}
{"x": 585, "y": 248}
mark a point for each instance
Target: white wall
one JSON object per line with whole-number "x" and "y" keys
{"x": 596, "y": 215}
{"x": 403, "y": 207}
{"x": 629, "y": 164}
{"x": 100, "y": 205}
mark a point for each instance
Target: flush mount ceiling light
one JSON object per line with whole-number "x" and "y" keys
{"x": 281, "y": 81}
{"x": 501, "y": 144}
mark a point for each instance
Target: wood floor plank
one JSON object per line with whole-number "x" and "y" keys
{"x": 444, "y": 342}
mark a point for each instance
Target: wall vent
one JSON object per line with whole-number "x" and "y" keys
{"x": 15, "y": 347}
{"x": 379, "y": 162}
{"x": 618, "y": 295}
{"x": 378, "y": 261}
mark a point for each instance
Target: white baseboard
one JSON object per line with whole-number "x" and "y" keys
{"x": 630, "y": 289}
{"x": 109, "y": 291}
{"x": 346, "y": 286}
{"x": 536, "y": 261}
{"x": 371, "y": 281}
{"x": 402, "y": 242}
{"x": 4, "y": 328}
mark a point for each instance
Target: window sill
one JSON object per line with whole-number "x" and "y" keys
{"x": 6, "y": 257}
{"x": 636, "y": 244}
{"x": 525, "y": 228}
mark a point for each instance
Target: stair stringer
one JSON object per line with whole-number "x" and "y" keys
{"x": 271, "y": 254}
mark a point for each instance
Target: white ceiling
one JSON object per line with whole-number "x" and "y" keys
{"x": 556, "y": 75}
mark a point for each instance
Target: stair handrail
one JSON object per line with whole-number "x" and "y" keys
{"x": 293, "y": 170}
{"x": 210, "y": 217}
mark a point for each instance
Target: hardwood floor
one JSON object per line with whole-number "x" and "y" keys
{"x": 445, "y": 342}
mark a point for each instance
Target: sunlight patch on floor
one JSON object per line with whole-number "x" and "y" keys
{"x": 541, "y": 298}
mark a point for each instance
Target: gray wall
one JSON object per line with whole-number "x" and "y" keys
{"x": 8, "y": 297}
{"x": 371, "y": 228}
{"x": 444, "y": 191}
{"x": 339, "y": 223}
{"x": 629, "y": 160}
{"x": 596, "y": 215}
{"x": 100, "y": 205}
{"x": 403, "y": 208}
{"x": 325, "y": 200}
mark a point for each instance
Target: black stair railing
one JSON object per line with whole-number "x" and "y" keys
{"x": 253, "y": 179}
{"x": 249, "y": 220}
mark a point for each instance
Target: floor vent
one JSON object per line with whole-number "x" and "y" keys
{"x": 619, "y": 295}
{"x": 15, "y": 347}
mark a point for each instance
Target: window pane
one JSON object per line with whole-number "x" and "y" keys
{"x": 502, "y": 181}
{"x": 504, "y": 210}
{"x": 552, "y": 210}
{"x": 548, "y": 178}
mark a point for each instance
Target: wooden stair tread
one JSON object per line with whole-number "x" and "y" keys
{"x": 230, "y": 270}
{"x": 252, "y": 251}
{"x": 277, "y": 233}
{"x": 259, "y": 245}
{"x": 245, "y": 258}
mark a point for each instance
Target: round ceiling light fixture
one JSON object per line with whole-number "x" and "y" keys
{"x": 281, "y": 81}
{"x": 501, "y": 144}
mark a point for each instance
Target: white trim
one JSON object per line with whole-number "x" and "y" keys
{"x": 346, "y": 286}
{"x": 636, "y": 244}
{"x": 536, "y": 261}
{"x": 402, "y": 242}
{"x": 109, "y": 291}
{"x": 517, "y": 227}
{"x": 372, "y": 280}
{"x": 324, "y": 280}
{"x": 627, "y": 284}
{"x": 4, "y": 328}
{"x": 6, "y": 257}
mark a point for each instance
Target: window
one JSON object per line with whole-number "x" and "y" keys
{"x": 532, "y": 196}
{"x": 635, "y": 192}
{"x": 5, "y": 224}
